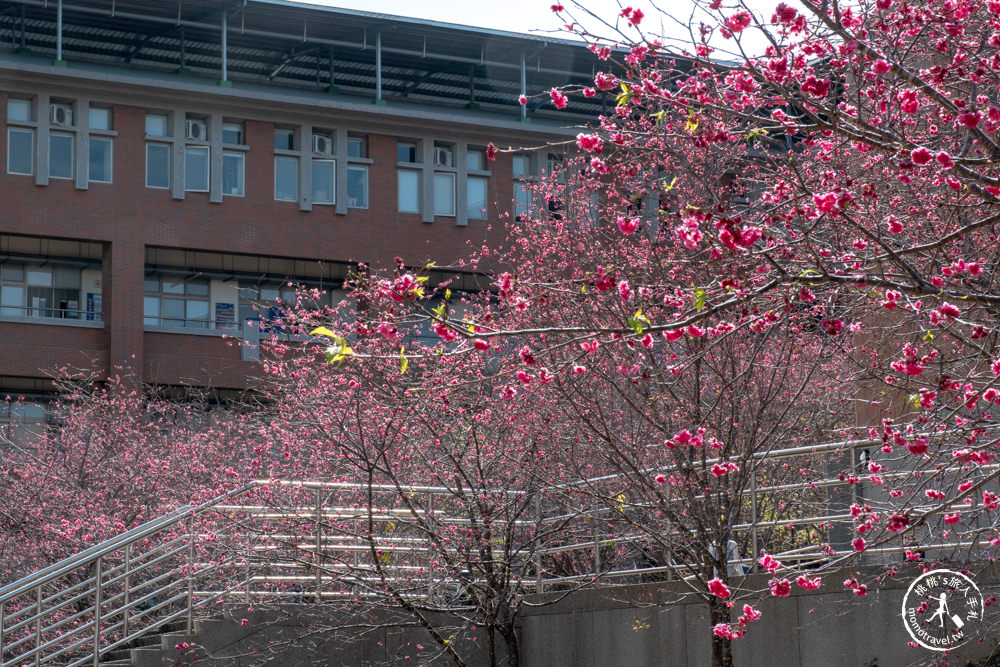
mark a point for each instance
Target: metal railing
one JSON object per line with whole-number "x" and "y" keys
{"x": 320, "y": 541}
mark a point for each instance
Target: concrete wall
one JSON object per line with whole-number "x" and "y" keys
{"x": 645, "y": 624}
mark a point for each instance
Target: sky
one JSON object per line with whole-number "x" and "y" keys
{"x": 533, "y": 16}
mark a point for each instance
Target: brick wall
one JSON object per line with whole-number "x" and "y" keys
{"x": 127, "y": 216}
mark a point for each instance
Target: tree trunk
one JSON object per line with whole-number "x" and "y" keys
{"x": 722, "y": 647}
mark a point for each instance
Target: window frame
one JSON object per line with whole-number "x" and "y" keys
{"x": 31, "y": 151}
{"x": 333, "y": 181}
{"x": 241, "y": 172}
{"x": 190, "y": 149}
{"x": 111, "y": 159}
{"x": 294, "y": 162}
{"x": 71, "y": 140}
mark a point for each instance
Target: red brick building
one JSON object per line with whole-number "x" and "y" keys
{"x": 166, "y": 164}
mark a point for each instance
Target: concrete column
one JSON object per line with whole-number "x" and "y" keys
{"x": 42, "y": 140}
{"x": 340, "y": 151}
{"x": 121, "y": 287}
{"x": 81, "y": 158}
{"x": 461, "y": 184}
{"x": 177, "y": 119}
{"x": 426, "y": 148}
{"x": 304, "y": 142}
{"x": 215, "y": 158}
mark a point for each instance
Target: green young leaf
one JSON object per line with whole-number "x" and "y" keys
{"x": 928, "y": 336}
{"x": 338, "y": 350}
{"x": 403, "y": 361}
{"x": 699, "y": 300}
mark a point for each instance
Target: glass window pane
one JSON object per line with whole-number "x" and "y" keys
{"x": 356, "y": 147}
{"x": 286, "y": 178}
{"x": 172, "y": 311}
{"x": 100, "y": 118}
{"x": 197, "y": 287}
{"x": 232, "y": 174}
{"x": 151, "y": 284}
{"x": 40, "y": 302}
{"x": 406, "y": 152}
{"x": 269, "y": 293}
{"x": 18, "y": 109}
{"x": 151, "y": 311}
{"x": 100, "y": 160}
{"x": 522, "y": 199}
{"x": 67, "y": 303}
{"x": 409, "y": 190}
{"x": 173, "y": 286}
{"x": 20, "y": 151}
{"x": 61, "y": 156}
{"x": 40, "y": 277}
{"x": 520, "y": 166}
{"x": 476, "y": 198}
{"x": 323, "y": 181}
{"x": 157, "y": 166}
{"x": 12, "y": 300}
{"x": 12, "y": 272}
{"x": 475, "y": 160}
{"x": 196, "y": 168}
{"x": 66, "y": 278}
{"x": 357, "y": 186}
{"x": 156, "y": 125}
{"x": 197, "y": 310}
{"x": 444, "y": 194}
{"x": 284, "y": 140}
{"x": 232, "y": 133}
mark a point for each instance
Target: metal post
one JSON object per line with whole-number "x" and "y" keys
{"x": 59, "y": 22}
{"x": 190, "y": 577}
{"x": 97, "y": 611}
{"x": 225, "y": 47}
{"x": 128, "y": 587}
{"x": 23, "y": 46}
{"x": 539, "y": 586}
{"x": 378, "y": 67}
{"x": 38, "y": 626}
{"x": 2, "y": 629}
{"x": 524, "y": 88}
{"x": 183, "y": 64}
{"x": 753, "y": 522}
{"x": 317, "y": 560}
{"x": 597, "y": 548}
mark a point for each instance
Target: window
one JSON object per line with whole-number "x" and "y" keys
{"x": 357, "y": 186}
{"x": 176, "y": 302}
{"x": 444, "y": 194}
{"x": 232, "y": 133}
{"x": 406, "y": 152}
{"x": 60, "y": 155}
{"x": 40, "y": 291}
{"x": 409, "y": 190}
{"x": 157, "y": 166}
{"x": 522, "y": 189}
{"x": 196, "y": 168}
{"x": 19, "y": 110}
{"x": 100, "y": 160}
{"x": 324, "y": 181}
{"x": 22, "y": 423}
{"x": 100, "y": 118}
{"x": 286, "y": 178}
{"x": 20, "y": 151}
{"x": 156, "y": 125}
{"x": 475, "y": 160}
{"x": 357, "y": 146}
{"x": 261, "y": 302}
{"x": 476, "y": 197}
{"x": 284, "y": 140}
{"x": 232, "y": 174}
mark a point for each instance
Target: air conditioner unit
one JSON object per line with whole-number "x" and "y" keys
{"x": 443, "y": 157}
{"x": 322, "y": 145}
{"x": 195, "y": 129}
{"x": 61, "y": 114}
